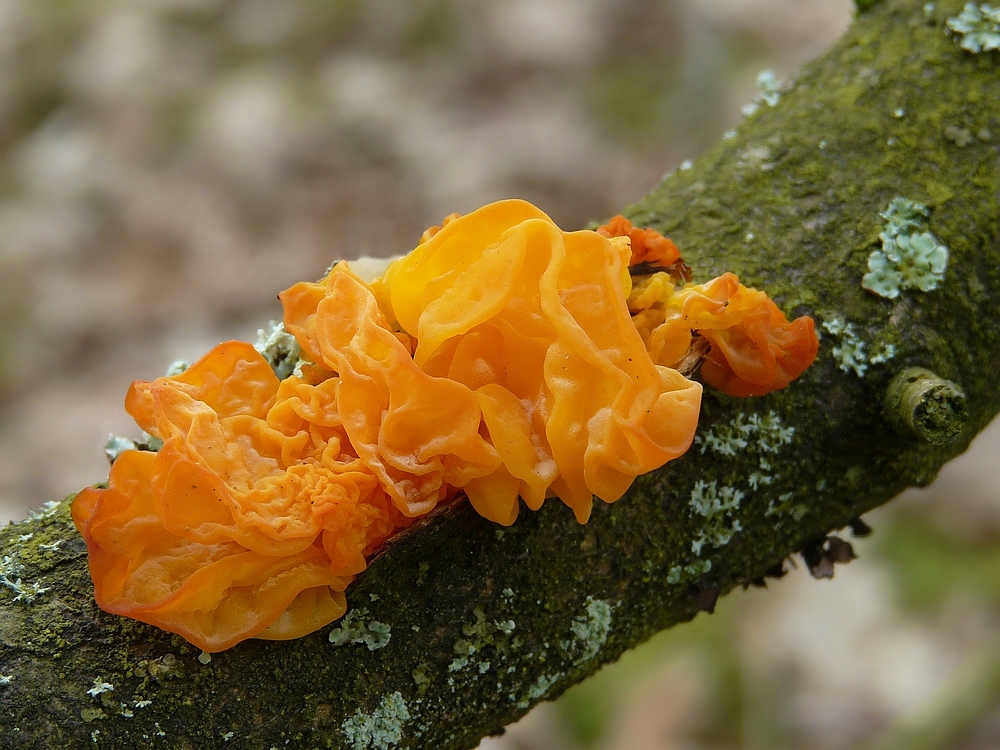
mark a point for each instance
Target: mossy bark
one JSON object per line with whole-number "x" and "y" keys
{"x": 485, "y": 622}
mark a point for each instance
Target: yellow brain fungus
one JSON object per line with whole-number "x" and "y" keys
{"x": 754, "y": 349}
{"x": 502, "y": 359}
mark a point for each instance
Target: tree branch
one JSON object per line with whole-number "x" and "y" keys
{"x": 484, "y": 622}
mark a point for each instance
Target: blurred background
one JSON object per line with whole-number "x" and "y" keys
{"x": 166, "y": 166}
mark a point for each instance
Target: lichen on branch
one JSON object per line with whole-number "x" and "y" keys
{"x": 807, "y": 179}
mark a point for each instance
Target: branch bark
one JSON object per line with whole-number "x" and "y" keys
{"x": 485, "y": 622}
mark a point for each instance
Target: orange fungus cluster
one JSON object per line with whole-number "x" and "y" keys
{"x": 501, "y": 360}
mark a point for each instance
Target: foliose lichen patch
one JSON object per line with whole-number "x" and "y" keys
{"x": 851, "y": 352}
{"x": 280, "y": 349}
{"x": 911, "y": 257}
{"x": 479, "y": 635}
{"x": 382, "y": 728}
{"x": 354, "y": 629}
{"x": 539, "y": 689}
{"x": 717, "y": 503}
{"x": 976, "y": 28}
{"x": 768, "y": 92}
{"x": 11, "y": 569}
{"x": 590, "y": 630}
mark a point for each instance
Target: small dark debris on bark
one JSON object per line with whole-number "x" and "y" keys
{"x": 775, "y": 571}
{"x": 821, "y": 556}
{"x": 859, "y": 528}
{"x": 705, "y": 597}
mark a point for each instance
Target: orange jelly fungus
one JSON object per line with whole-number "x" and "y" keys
{"x": 501, "y": 359}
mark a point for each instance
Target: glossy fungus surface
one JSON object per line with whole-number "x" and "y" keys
{"x": 502, "y": 360}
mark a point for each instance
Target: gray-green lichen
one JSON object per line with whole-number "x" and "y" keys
{"x": 479, "y": 635}
{"x": 851, "y": 352}
{"x": 911, "y": 257}
{"x": 116, "y": 445}
{"x": 761, "y": 436}
{"x": 354, "y": 629}
{"x": 100, "y": 686}
{"x": 367, "y": 268}
{"x": 679, "y": 573}
{"x": 961, "y": 137}
{"x": 280, "y": 349}
{"x": 11, "y": 569}
{"x": 421, "y": 677}
{"x": 786, "y": 505}
{"x": 177, "y": 367}
{"x": 160, "y": 668}
{"x": 539, "y": 689}
{"x": 591, "y": 629}
{"x": 812, "y": 217}
{"x": 768, "y": 92}
{"x": 977, "y": 28}
{"x": 382, "y": 728}
{"x": 716, "y": 505}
